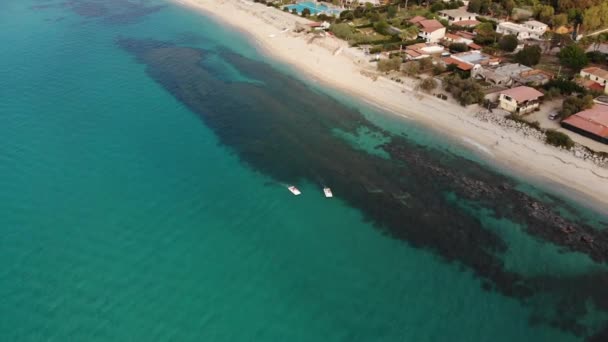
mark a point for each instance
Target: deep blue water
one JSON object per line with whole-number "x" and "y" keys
{"x": 144, "y": 157}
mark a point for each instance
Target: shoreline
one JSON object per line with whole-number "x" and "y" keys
{"x": 331, "y": 62}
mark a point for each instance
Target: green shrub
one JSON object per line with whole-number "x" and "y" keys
{"x": 427, "y": 84}
{"x": 558, "y": 139}
{"x": 508, "y": 43}
{"x": 529, "y": 55}
{"x": 458, "y": 47}
{"x": 574, "y": 104}
{"x": 386, "y": 65}
{"x": 465, "y": 91}
{"x": 564, "y": 86}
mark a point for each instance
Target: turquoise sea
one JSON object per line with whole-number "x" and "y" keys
{"x": 144, "y": 155}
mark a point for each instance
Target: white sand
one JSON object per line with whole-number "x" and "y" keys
{"x": 332, "y": 62}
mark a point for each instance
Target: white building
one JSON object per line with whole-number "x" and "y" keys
{"x": 529, "y": 30}
{"x": 431, "y": 30}
{"x": 459, "y": 17}
{"x": 597, "y": 75}
{"x": 520, "y": 100}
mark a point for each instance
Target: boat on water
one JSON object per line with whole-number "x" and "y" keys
{"x": 327, "y": 192}
{"x": 294, "y": 190}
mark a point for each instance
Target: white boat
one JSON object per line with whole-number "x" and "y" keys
{"x": 294, "y": 190}
{"x": 327, "y": 192}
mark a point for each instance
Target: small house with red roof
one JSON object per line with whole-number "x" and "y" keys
{"x": 598, "y": 76}
{"x": 430, "y": 30}
{"x": 592, "y": 123}
{"x": 520, "y": 100}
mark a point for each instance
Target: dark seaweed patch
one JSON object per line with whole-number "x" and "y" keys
{"x": 282, "y": 128}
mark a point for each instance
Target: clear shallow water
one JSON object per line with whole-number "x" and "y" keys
{"x": 123, "y": 218}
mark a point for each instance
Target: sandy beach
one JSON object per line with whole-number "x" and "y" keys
{"x": 331, "y": 62}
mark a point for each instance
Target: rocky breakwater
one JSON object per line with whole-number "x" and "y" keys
{"x": 529, "y": 131}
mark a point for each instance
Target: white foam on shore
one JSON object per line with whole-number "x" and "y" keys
{"x": 478, "y": 146}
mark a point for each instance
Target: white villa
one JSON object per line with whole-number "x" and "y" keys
{"x": 459, "y": 17}
{"x": 531, "y": 29}
{"x": 431, "y": 30}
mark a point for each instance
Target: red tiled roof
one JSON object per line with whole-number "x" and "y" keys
{"x": 466, "y": 23}
{"x": 594, "y": 120}
{"x": 461, "y": 65}
{"x": 523, "y": 93}
{"x": 452, "y": 36}
{"x": 417, "y": 19}
{"x": 465, "y": 34}
{"x": 597, "y": 72}
{"x": 429, "y": 25}
{"x": 589, "y": 84}
{"x": 474, "y": 46}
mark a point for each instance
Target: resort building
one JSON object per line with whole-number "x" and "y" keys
{"x": 531, "y": 29}
{"x": 430, "y": 30}
{"x": 520, "y": 100}
{"x": 592, "y": 123}
{"x": 459, "y": 17}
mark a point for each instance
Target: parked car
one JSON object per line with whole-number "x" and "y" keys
{"x": 553, "y": 116}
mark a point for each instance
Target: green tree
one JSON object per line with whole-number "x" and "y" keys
{"x": 412, "y": 68}
{"x": 545, "y": 13}
{"x": 559, "y": 20}
{"x": 347, "y": 15}
{"x": 306, "y": 12}
{"x": 425, "y": 63}
{"x": 386, "y": 65}
{"x": 381, "y": 27}
{"x": 485, "y": 28}
{"x": 474, "y": 6}
{"x": 427, "y": 84}
{"x": 508, "y": 5}
{"x": 529, "y": 55}
{"x": 465, "y": 91}
{"x": 573, "y": 56}
{"x": 391, "y": 11}
{"x": 409, "y": 33}
{"x": 508, "y": 43}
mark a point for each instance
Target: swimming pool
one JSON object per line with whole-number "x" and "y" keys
{"x": 314, "y": 8}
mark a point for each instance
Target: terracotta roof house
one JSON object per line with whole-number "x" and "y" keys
{"x": 459, "y": 64}
{"x": 598, "y": 75}
{"x": 520, "y": 100}
{"x": 457, "y": 38}
{"x": 592, "y": 123}
{"x": 431, "y": 30}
